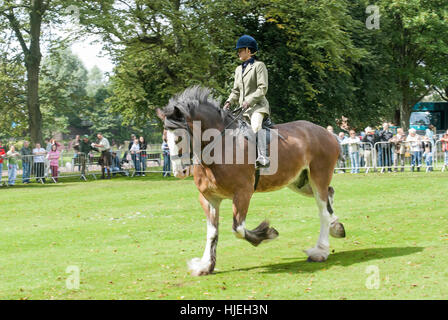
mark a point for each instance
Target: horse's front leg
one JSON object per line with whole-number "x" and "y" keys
{"x": 261, "y": 233}
{"x": 206, "y": 264}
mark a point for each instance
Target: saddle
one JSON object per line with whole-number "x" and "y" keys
{"x": 245, "y": 129}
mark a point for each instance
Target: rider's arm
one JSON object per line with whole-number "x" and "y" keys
{"x": 235, "y": 94}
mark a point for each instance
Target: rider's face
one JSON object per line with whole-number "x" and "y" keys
{"x": 244, "y": 54}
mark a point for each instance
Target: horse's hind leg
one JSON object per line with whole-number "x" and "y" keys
{"x": 336, "y": 228}
{"x": 261, "y": 233}
{"x": 206, "y": 264}
{"x": 328, "y": 220}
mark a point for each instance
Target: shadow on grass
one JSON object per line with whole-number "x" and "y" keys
{"x": 345, "y": 258}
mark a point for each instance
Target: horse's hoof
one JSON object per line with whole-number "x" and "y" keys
{"x": 337, "y": 230}
{"x": 272, "y": 234}
{"x": 316, "y": 255}
{"x": 316, "y": 259}
{"x": 198, "y": 267}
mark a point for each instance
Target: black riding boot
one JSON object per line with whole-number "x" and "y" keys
{"x": 103, "y": 173}
{"x": 262, "y": 150}
{"x": 108, "y": 173}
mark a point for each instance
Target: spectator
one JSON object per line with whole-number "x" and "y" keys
{"x": 399, "y": 147}
{"x": 115, "y": 165}
{"x": 53, "y": 157}
{"x": 125, "y": 157}
{"x": 444, "y": 140}
{"x": 384, "y": 149}
{"x": 27, "y": 160}
{"x": 39, "y": 162}
{"x": 143, "y": 154}
{"x": 342, "y": 138}
{"x": 48, "y": 144}
{"x": 166, "y": 157}
{"x": 135, "y": 149}
{"x": 75, "y": 143}
{"x": 13, "y": 159}
{"x": 2, "y": 156}
{"x": 427, "y": 154}
{"x": 105, "y": 159}
{"x": 430, "y": 133}
{"x": 415, "y": 142}
{"x": 84, "y": 150}
{"x": 369, "y": 140}
{"x": 131, "y": 142}
{"x": 58, "y": 145}
{"x": 330, "y": 129}
{"x": 353, "y": 150}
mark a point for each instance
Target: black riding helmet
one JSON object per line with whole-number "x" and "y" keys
{"x": 247, "y": 42}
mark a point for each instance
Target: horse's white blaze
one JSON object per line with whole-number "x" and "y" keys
{"x": 179, "y": 169}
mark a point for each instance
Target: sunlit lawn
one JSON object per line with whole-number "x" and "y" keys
{"x": 131, "y": 239}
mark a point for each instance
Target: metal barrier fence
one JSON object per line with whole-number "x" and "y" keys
{"x": 52, "y": 167}
{"x": 441, "y": 155}
{"x": 397, "y": 156}
{"x": 357, "y": 157}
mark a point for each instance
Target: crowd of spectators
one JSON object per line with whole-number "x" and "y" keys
{"x": 390, "y": 148}
{"x": 360, "y": 148}
{"x": 43, "y": 163}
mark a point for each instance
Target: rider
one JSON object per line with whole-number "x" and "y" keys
{"x": 249, "y": 90}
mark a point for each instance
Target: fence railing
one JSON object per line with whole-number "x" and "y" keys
{"x": 52, "y": 167}
{"x": 393, "y": 156}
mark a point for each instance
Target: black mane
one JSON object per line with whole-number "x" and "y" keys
{"x": 192, "y": 101}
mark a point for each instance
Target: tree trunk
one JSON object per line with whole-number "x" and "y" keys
{"x": 34, "y": 114}
{"x": 405, "y": 107}
{"x": 32, "y": 62}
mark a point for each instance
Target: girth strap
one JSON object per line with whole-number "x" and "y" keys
{"x": 257, "y": 177}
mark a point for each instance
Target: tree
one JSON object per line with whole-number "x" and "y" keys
{"x": 16, "y": 15}
{"x": 13, "y": 120}
{"x": 416, "y": 32}
{"x": 309, "y": 48}
{"x": 63, "y": 92}
{"x": 28, "y": 20}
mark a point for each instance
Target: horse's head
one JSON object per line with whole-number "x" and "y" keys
{"x": 193, "y": 105}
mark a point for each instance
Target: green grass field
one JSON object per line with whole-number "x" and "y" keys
{"x": 131, "y": 239}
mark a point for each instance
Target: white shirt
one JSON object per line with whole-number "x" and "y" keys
{"x": 415, "y": 142}
{"x": 353, "y": 144}
{"x": 39, "y": 158}
{"x": 135, "y": 147}
{"x": 105, "y": 145}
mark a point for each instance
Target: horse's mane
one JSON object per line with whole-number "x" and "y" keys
{"x": 193, "y": 100}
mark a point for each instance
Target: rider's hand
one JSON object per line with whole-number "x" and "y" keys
{"x": 245, "y": 104}
{"x": 227, "y": 105}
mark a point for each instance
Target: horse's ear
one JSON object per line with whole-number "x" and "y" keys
{"x": 160, "y": 114}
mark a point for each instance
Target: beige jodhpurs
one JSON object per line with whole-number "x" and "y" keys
{"x": 256, "y": 120}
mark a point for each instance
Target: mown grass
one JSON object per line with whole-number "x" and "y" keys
{"x": 131, "y": 239}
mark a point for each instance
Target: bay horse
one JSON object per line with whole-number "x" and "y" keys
{"x": 307, "y": 155}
